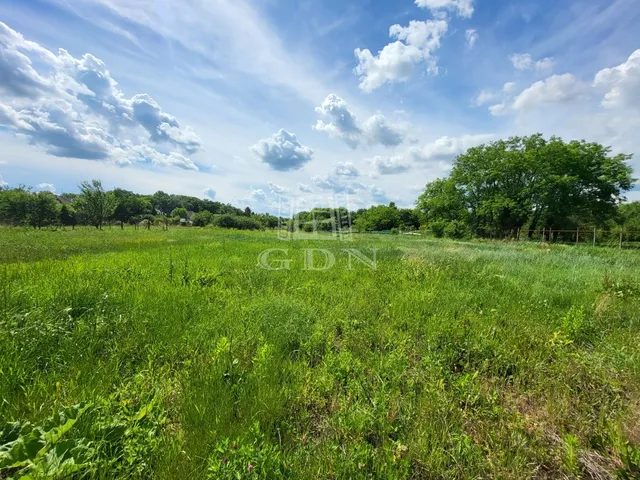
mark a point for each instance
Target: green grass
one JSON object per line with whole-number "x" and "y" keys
{"x": 186, "y": 360}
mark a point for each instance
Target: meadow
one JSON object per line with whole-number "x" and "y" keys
{"x": 172, "y": 354}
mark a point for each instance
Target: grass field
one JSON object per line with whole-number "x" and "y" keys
{"x": 152, "y": 354}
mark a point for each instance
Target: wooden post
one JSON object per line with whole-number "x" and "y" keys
{"x": 577, "y": 236}
{"x": 518, "y": 237}
{"x": 620, "y": 246}
{"x": 542, "y": 239}
{"x": 594, "y": 236}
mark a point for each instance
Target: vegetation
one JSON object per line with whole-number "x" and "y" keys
{"x": 531, "y": 183}
{"x": 170, "y": 354}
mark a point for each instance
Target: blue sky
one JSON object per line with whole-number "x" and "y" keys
{"x": 252, "y": 102}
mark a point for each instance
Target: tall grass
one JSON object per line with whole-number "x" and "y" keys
{"x": 187, "y": 360}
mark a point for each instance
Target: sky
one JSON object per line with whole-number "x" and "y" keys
{"x": 265, "y": 103}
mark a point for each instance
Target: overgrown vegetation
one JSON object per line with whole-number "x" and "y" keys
{"x": 170, "y": 354}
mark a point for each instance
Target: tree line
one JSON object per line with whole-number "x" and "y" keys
{"x": 526, "y": 184}
{"x": 530, "y": 184}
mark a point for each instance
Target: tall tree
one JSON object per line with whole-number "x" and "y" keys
{"x": 94, "y": 203}
{"x": 43, "y": 210}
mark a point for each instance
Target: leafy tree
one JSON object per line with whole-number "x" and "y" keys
{"x": 442, "y": 200}
{"x": 43, "y": 210}
{"x": 522, "y": 181}
{"x": 180, "y": 213}
{"x": 94, "y": 203}
{"x": 409, "y": 220}
{"x": 68, "y": 216}
{"x": 15, "y": 205}
{"x": 128, "y": 206}
{"x": 202, "y": 219}
{"x": 378, "y": 218}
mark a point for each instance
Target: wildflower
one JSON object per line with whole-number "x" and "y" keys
{"x": 250, "y": 468}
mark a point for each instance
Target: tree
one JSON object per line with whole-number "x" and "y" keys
{"x": 15, "y": 205}
{"x": 442, "y": 200}
{"x": 180, "y": 213}
{"x": 529, "y": 181}
{"x": 43, "y": 210}
{"x": 68, "y": 216}
{"x": 129, "y": 206}
{"x": 378, "y": 218}
{"x": 95, "y": 204}
{"x": 202, "y": 219}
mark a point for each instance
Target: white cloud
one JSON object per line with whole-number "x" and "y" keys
{"x": 554, "y": 89}
{"x": 524, "y": 61}
{"x": 278, "y": 189}
{"x": 509, "y": 87}
{"x": 396, "y": 62}
{"x": 484, "y": 97}
{"x": 73, "y": 108}
{"x": 345, "y": 169}
{"x": 622, "y": 82}
{"x": 257, "y": 195}
{"x": 345, "y": 126}
{"x": 471, "y": 36}
{"x": 3, "y": 184}
{"x": 447, "y": 148}
{"x": 210, "y": 193}
{"x": 389, "y": 165}
{"x": 48, "y": 187}
{"x": 379, "y": 131}
{"x": 463, "y": 8}
{"x": 336, "y": 184}
{"x": 304, "y": 188}
{"x": 283, "y": 152}
{"x": 498, "y": 109}
{"x": 378, "y": 194}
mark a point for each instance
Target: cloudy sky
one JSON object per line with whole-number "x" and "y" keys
{"x": 252, "y": 101}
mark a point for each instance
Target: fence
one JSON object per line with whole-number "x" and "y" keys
{"x": 619, "y": 238}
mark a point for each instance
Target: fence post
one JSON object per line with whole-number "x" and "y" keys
{"x": 577, "y": 236}
{"x": 518, "y": 235}
{"x": 542, "y": 239}
{"x": 620, "y": 246}
{"x": 594, "y": 236}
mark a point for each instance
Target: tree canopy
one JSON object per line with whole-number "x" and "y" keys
{"x": 529, "y": 182}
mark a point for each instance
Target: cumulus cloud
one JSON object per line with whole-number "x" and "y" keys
{"x": 554, "y": 89}
{"x": 524, "y": 61}
{"x": 257, "y": 195}
{"x": 336, "y": 184}
{"x": 210, "y": 193}
{"x": 304, "y": 188}
{"x": 622, "y": 82}
{"x": 278, "y": 189}
{"x": 463, "y": 8}
{"x": 345, "y": 126}
{"x": 390, "y": 165}
{"x": 471, "y": 37}
{"x": 484, "y": 97}
{"x": 3, "y": 184}
{"x": 283, "y": 152}
{"x": 509, "y": 87}
{"x": 345, "y": 169}
{"x": 378, "y": 194}
{"x": 397, "y": 61}
{"x": 73, "y": 108}
{"x": 48, "y": 187}
{"x": 447, "y": 148}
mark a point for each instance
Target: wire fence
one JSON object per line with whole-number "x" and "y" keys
{"x": 620, "y": 238}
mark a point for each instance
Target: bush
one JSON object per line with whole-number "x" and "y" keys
{"x": 438, "y": 227}
{"x": 456, "y": 229}
{"x": 202, "y": 219}
{"x": 238, "y": 222}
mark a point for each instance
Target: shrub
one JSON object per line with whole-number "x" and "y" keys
{"x": 438, "y": 227}
{"x": 202, "y": 219}
{"x": 456, "y": 229}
